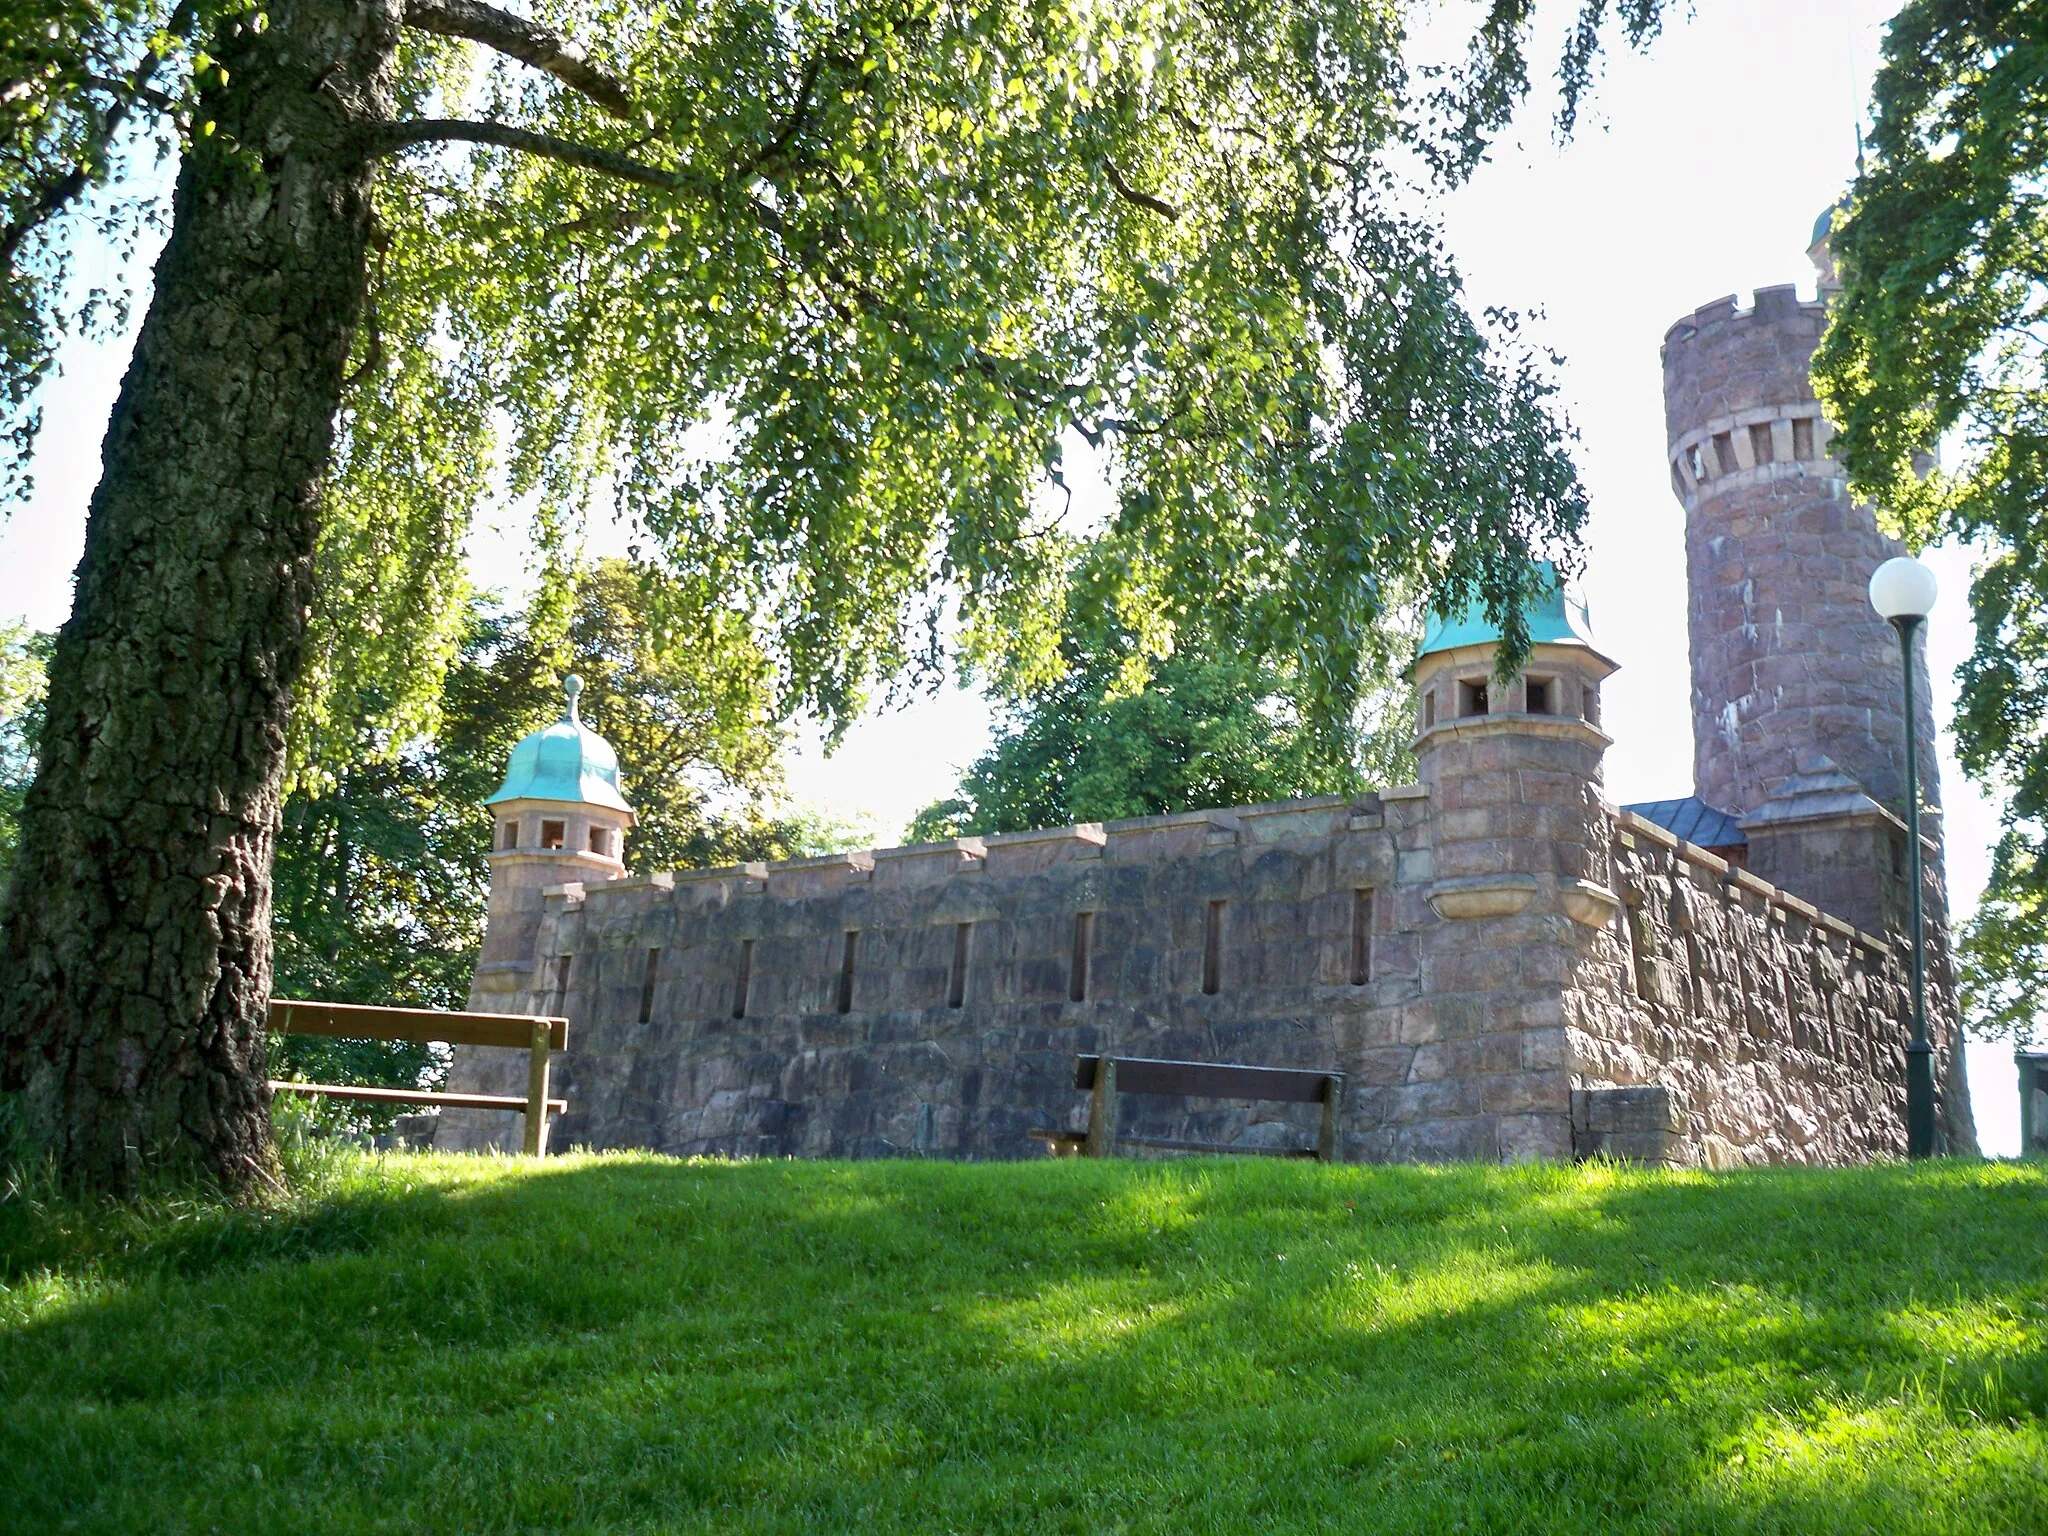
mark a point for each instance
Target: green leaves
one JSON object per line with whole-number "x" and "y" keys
{"x": 889, "y": 261}
{"x": 1939, "y": 342}
{"x": 919, "y": 250}
{"x": 1129, "y": 730}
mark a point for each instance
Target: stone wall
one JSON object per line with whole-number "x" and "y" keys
{"x": 1452, "y": 1042}
{"x": 1775, "y": 1031}
{"x": 1706, "y": 1017}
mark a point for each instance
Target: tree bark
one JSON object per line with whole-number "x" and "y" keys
{"x": 135, "y": 935}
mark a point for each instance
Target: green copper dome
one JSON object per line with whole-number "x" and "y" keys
{"x": 566, "y": 761}
{"x": 1556, "y": 617}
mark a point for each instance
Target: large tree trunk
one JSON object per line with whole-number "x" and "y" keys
{"x": 135, "y": 935}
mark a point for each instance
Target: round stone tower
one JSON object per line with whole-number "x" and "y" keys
{"x": 1798, "y": 706}
{"x": 1789, "y": 662}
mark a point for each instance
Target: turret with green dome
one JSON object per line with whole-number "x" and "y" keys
{"x": 559, "y": 824}
{"x": 565, "y": 761}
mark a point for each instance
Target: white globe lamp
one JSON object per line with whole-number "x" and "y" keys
{"x": 1903, "y": 588}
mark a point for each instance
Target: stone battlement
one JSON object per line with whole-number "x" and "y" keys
{"x": 1778, "y": 304}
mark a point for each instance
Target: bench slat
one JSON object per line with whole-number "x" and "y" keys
{"x": 364, "y": 1021}
{"x": 415, "y": 1096}
{"x": 1208, "y": 1079}
{"x": 1168, "y": 1144}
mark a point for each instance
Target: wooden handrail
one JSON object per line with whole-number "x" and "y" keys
{"x": 537, "y": 1034}
{"x": 367, "y": 1021}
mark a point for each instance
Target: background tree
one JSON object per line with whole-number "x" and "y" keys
{"x": 818, "y": 289}
{"x": 24, "y": 656}
{"x": 381, "y": 876}
{"x": 1940, "y": 338}
{"x": 1120, "y": 735}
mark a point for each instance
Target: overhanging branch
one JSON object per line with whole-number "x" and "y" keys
{"x": 387, "y": 138}
{"x": 1130, "y": 194}
{"x": 518, "y": 38}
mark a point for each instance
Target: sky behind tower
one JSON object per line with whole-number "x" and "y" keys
{"x": 1698, "y": 171}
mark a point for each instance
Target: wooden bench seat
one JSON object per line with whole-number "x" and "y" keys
{"x": 1104, "y": 1077}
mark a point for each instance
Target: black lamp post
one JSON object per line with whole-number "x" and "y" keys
{"x": 1903, "y": 590}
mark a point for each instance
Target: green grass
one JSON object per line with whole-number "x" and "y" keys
{"x": 634, "y": 1344}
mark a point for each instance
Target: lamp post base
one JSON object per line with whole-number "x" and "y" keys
{"x": 1919, "y": 1099}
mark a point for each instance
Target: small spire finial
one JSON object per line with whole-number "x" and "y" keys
{"x": 572, "y": 687}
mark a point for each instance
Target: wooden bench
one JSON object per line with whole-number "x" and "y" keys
{"x": 1106, "y": 1076}
{"x": 361, "y": 1021}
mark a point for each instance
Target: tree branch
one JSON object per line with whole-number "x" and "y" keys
{"x": 799, "y": 112}
{"x": 388, "y": 138}
{"x": 1130, "y": 194}
{"x": 527, "y": 42}
{"x": 63, "y": 189}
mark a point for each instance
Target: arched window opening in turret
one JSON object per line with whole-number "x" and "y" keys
{"x": 553, "y": 833}
{"x": 1472, "y": 698}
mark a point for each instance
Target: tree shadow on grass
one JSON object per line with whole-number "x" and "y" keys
{"x": 640, "y": 1344}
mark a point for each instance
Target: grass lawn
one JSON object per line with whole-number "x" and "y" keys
{"x": 633, "y": 1344}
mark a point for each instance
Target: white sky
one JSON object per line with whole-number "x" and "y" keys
{"x": 1699, "y": 171}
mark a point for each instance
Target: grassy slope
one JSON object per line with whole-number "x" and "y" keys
{"x": 634, "y": 1344}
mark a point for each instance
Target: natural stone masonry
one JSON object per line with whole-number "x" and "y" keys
{"x": 1771, "y": 1032}
{"x": 1798, "y": 703}
{"x": 1787, "y": 653}
{"x": 1501, "y": 963}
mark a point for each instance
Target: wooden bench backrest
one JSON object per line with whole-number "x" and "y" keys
{"x": 362, "y": 1021}
{"x": 1210, "y": 1080}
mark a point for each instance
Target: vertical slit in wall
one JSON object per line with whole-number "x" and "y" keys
{"x": 1625, "y": 916}
{"x": 739, "y": 991}
{"x": 956, "y": 989}
{"x": 846, "y": 970}
{"x": 647, "y": 985}
{"x": 1361, "y": 937}
{"x": 1802, "y": 437}
{"x": 562, "y": 984}
{"x": 1077, "y": 973}
{"x": 1760, "y": 447}
{"x": 1212, "y": 950}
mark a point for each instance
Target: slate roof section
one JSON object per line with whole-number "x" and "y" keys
{"x": 1817, "y": 790}
{"x": 1694, "y": 820}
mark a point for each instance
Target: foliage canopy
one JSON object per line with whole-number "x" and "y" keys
{"x": 1939, "y": 340}
{"x": 821, "y": 295}
{"x": 1209, "y": 725}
